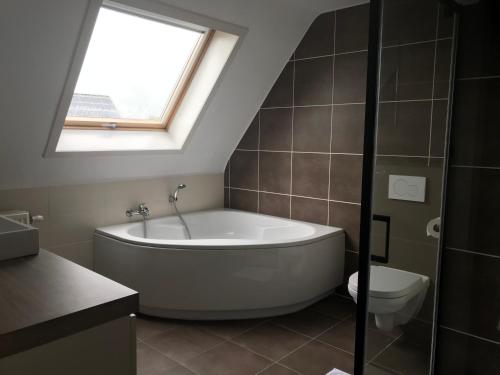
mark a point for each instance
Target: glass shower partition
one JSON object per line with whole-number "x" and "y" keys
{"x": 415, "y": 67}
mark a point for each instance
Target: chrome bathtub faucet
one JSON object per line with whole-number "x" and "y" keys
{"x": 141, "y": 210}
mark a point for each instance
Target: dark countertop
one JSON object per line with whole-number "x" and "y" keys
{"x": 45, "y": 297}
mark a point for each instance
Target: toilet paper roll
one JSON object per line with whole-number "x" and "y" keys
{"x": 433, "y": 227}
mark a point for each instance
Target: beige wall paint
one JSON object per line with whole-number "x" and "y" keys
{"x": 73, "y": 212}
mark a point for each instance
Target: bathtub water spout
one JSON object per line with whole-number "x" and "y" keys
{"x": 144, "y": 212}
{"x": 172, "y": 198}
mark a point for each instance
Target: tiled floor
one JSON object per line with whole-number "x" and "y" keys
{"x": 312, "y": 341}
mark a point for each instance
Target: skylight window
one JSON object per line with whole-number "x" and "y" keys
{"x": 152, "y": 69}
{"x": 135, "y": 72}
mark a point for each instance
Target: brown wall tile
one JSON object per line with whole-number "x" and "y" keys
{"x": 281, "y": 94}
{"x": 310, "y": 175}
{"x": 471, "y": 303}
{"x": 313, "y": 81}
{"x": 311, "y": 129}
{"x": 311, "y": 210}
{"x": 460, "y": 354}
{"x": 408, "y": 21}
{"x": 351, "y": 263}
{"x": 350, "y": 78}
{"x": 244, "y": 165}
{"x": 345, "y": 182}
{"x": 243, "y": 200}
{"x": 475, "y": 136}
{"x": 226, "y": 175}
{"x": 403, "y": 128}
{"x": 250, "y": 140}
{"x": 479, "y": 38}
{"x": 439, "y": 125}
{"x": 274, "y": 204}
{"x": 443, "y": 64}
{"x": 445, "y": 21}
{"x": 352, "y": 29}
{"x": 348, "y": 125}
{"x": 226, "y": 198}
{"x": 318, "y": 40}
{"x": 275, "y": 172}
{"x": 472, "y": 210}
{"x": 276, "y": 129}
{"x": 407, "y": 72}
{"x": 347, "y": 216}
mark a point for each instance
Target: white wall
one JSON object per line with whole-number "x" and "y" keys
{"x": 37, "y": 40}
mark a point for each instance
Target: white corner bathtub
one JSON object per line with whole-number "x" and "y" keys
{"x": 237, "y": 265}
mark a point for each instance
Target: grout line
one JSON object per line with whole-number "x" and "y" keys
{"x": 294, "y": 195}
{"x": 329, "y": 55}
{"x": 350, "y": 52}
{"x": 473, "y": 252}
{"x": 410, "y": 156}
{"x": 337, "y": 104}
{"x": 300, "y": 152}
{"x": 385, "y": 348}
{"x": 310, "y": 339}
{"x": 341, "y": 295}
{"x": 474, "y": 167}
{"x": 412, "y": 100}
{"x": 223, "y": 341}
{"x": 313, "y": 57}
{"x": 366, "y": 50}
{"x": 352, "y": 251}
{"x": 477, "y": 78}
{"x": 161, "y": 353}
{"x": 391, "y": 371}
{"x": 415, "y": 43}
{"x": 470, "y": 335}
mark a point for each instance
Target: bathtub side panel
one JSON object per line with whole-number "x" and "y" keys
{"x": 173, "y": 282}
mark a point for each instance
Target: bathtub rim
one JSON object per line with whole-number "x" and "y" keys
{"x": 188, "y": 244}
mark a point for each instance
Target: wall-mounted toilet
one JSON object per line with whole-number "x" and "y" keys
{"x": 395, "y": 295}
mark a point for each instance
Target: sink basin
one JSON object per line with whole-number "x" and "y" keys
{"x": 17, "y": 239}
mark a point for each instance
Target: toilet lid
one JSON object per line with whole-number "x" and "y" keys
{"x": 388, "y": 282}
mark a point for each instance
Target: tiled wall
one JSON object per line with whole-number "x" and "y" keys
{"x": 413, "y": 101}
{"x": 469, "y": 335}
{"x": 301, "y": 156}
{"x": 73, "y": 212}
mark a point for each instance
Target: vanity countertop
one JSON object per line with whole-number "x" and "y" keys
{"x": 45, "y": 297}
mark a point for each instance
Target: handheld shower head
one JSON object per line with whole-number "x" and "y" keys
{"x": 173, "y": 197}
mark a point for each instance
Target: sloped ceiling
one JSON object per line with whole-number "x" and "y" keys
{"x": 37, "y": 39}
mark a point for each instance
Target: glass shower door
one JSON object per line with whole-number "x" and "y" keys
{"x": 413, "y": 99}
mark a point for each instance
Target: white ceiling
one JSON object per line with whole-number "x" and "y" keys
{"x": 37, "y": 39}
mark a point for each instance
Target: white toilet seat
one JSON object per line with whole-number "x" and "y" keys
{"x": 387, "y": 283}
{"x": 395, "y": 295}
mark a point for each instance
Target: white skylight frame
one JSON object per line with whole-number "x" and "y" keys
{"x": 224, "y": 42}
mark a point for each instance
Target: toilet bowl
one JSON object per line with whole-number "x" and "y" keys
{"x": 395, "y": 296}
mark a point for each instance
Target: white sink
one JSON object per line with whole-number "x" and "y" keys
{"x": 16, "y": 239}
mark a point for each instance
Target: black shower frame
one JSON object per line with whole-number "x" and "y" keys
{"x": 366, "y": 185}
